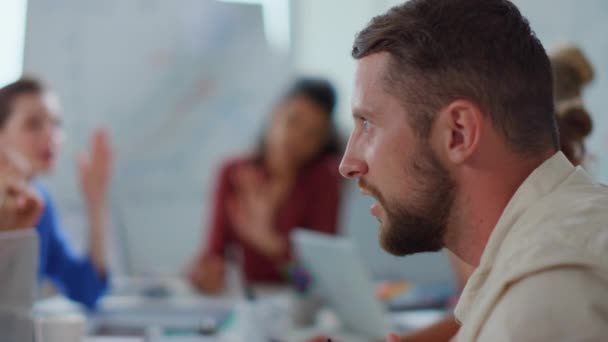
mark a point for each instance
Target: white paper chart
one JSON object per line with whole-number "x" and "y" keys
{"x": 181, "y": 84}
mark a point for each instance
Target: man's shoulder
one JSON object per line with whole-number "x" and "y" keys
{"x": 578, "y": 197}
{"x": 563, "y": 302}
{"x": 552, "y": 252}
{"x": 568, "y": 226}
{"x": 559, "y": 286}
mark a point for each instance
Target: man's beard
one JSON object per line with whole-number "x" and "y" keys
{"x": 420, "y": 224}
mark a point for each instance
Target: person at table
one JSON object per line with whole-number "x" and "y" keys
{"x": 20, "y": 209}
{"x": 572, "y": 72}
{"x": 291, "y": 181}
{"x": 30, "y": 124}
{"x": 456, "y": 139}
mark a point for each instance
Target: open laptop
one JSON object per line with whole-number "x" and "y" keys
{"x": 342, "y": 278}
{"x": 346, "y": 284}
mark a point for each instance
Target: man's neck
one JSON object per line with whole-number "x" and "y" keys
{"x": 485, "y": 191}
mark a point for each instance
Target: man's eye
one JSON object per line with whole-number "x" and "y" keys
{"x": 365, "y": 124}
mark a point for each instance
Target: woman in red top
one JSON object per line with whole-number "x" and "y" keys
{"x": 292, "y": 181}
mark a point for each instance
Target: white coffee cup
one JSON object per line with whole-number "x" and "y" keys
{"x": 60, "y": 328}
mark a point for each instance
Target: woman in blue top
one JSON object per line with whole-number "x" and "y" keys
{"x": 31, "y": 126}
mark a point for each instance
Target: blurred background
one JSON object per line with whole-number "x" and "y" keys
{"x": 183, "y": 84}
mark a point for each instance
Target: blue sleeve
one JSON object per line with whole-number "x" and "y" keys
{"x": 74, "y": 276}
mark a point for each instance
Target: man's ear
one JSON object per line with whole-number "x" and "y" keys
{"x": 458, "y": 129}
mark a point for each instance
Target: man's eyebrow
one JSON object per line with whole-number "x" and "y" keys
{"x": 361, "y": 113}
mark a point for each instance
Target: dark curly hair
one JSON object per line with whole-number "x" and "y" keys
{"x": 572, "y": 72}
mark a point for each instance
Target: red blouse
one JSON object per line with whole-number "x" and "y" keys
{"x": 312, "y": 203}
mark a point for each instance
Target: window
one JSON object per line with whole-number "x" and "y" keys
{"x": 12, "y": 37}
{"x": 276, "y": 22}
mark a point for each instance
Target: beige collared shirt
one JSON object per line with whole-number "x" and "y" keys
{"x": 543, "y": 275}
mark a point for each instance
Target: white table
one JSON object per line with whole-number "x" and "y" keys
{"x": 181, "y": 308}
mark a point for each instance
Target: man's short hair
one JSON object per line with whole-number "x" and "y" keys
{"x": 483, "y": 51}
